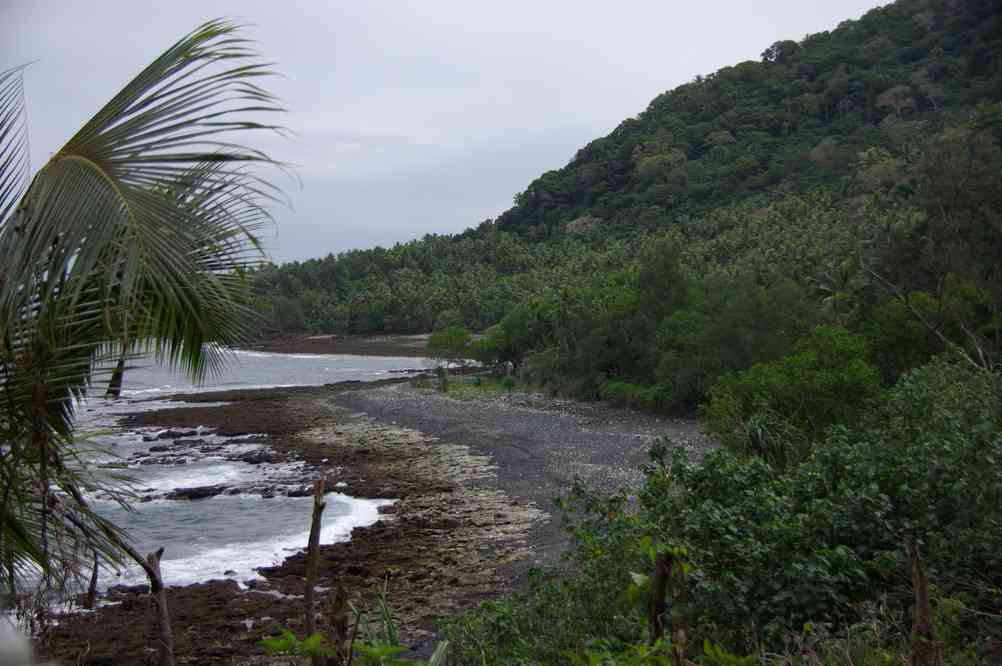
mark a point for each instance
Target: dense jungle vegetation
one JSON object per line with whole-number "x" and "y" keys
{"x": 804, "y": 250}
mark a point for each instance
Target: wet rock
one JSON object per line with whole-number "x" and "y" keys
{"x": 301, "y": 491}
{"x": 196, "y": 493}
{"x": 161, "y": 447}
{"x": 176, "y": 434}
{"x": 251, "y": 439}
{"x": 229, "y": 572}
{"x": 164, "y": 460}
{"x": 258, "y": 457}
{"x": 122, "y": 590}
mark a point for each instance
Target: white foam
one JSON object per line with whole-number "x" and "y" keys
{"x": 173, "y": 477}
{"x": 245, "y": 558}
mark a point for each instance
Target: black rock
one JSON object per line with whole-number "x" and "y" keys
{"x": 257, "y": 457}
{"x": 177, "y": 434}
{"x": 128, "y": 589}
{"x": 198, "y": 492}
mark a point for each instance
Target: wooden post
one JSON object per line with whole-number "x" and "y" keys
{"x": 925, "y": 648}
{"x": 312, "y": 555}
{"x": 114, "y": 391}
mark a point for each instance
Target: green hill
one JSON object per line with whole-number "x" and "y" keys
{"x": 724, "y": 222}
{"x": 792, "y": 122}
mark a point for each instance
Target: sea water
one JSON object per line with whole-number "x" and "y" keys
{"x": 226, "y": 535}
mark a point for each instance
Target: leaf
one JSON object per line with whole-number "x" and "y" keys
{"x": 639, "y": 579}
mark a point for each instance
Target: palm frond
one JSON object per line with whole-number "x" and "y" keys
{"x": 127, "y": 240}
{"x": 13, "y": 140}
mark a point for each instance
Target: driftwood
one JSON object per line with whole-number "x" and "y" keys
{"x": 312, "y": 555}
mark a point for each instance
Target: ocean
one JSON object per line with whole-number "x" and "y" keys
{"x": 228, "y": 535}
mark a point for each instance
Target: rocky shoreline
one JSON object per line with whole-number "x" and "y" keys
{"x": 413, "y": 346}
{"x": 472, "y": 483}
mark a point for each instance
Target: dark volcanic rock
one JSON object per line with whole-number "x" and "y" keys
{"x": 161, "y": 447}
{"x": 164, "y": 460}
{"x": 120, "y": 590}
{"x": 198, "y": 492}
{"x": 177, "y": 434}
{"x": 257, "y": 457}
{"x": 250, "y": 439}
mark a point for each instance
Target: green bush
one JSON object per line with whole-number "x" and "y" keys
{"x": 656, "y": 398}
{"x": 777, "y": 410}
{"x": 776, "y": 549}
{"x": 728, "y": 324}
{"x": 451, "y": 344}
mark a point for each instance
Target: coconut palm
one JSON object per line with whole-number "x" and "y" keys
{"x": 131, "y": 239}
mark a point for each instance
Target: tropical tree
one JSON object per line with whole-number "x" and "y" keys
{"x": 131, "y": 239}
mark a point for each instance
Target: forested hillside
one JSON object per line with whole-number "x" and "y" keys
{"x": 795, "y": 121}
{"x": 839, "y": 111}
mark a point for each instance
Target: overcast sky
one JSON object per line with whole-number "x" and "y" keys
{"x": 412, "y": 117}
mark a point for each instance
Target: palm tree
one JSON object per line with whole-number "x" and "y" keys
{"x": 131, "y": 239}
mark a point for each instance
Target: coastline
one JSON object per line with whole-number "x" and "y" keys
{"x": 412, "y": 346}
{"x": 473, "y": 482}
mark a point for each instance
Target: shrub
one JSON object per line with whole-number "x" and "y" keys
{"x": 451, "y": 345}
{"x": 778, "y": 548}
{"x": 777, "y": 410}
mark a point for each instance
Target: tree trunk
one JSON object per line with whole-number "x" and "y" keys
{"x": 312, "y": 555}
{"x": 92, "y": 588}
{"x": 339, "y": 625}
{"x": 115, "y": 384}
{"x": 679, "y": 622}
{"x": 159, "y": 595}
{"x": 659, "y": 589}
{"x": 925, "y": 648}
